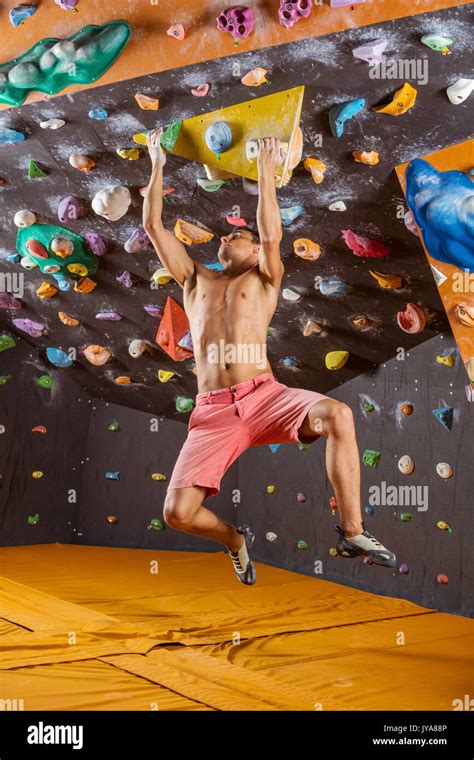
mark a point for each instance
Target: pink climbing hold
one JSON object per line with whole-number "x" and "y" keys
{"x": 201, "y": 90}
{"x": 236, "y": 221}
{"x": 362, "y": 246}
{"x": 413, "y": 320}
{"x": 290, "y": 13}
{"x": 96, "y": 243}
{"x": 7, "y": 301}
{"x": 176, "y": 31}
{"x": 238, "y": 21}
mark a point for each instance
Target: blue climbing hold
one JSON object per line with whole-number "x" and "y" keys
{"x": 216, "y": 266}
{"x": 218, "y": 137}
{"x": 63, "y": 282}
{"x": 444, "y": 416}
{"x": 338, "y": 115}
{"x": 289, "y": 361}
{"x": 99, "y": 114}
{"x": 332, "y": 286}
{"x": 10, "y": 136}
{"x": 369, "y": 510}
{"x": 13, "y": 258}
{"x": 58, "y": 357}
{"x": 112, "y": 475}
{"x": 288, "y": 215}
{"x": 274, "y": 447}
{"x": 442, "y": 204}
{"x": 20, "y": 12}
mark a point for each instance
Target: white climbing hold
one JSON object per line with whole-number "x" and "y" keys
{"x": 52, "y": 124}
{"x": 138, "y": 347}
{"x": 24, "y": 218}
{"x": 290, "y": 295}
{"x": 112, "y": 202}
{"x": 338, "y": 206}
{"x": 460, "y": 91}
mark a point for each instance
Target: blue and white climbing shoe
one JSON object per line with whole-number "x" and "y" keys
{"x": 243, "y": 567}
{"x": 364, "y": 545}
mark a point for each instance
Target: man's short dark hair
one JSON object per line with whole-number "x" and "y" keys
{"x": 255, "y": 237}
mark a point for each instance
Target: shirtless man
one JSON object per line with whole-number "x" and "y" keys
{"x": 240, "y": 403}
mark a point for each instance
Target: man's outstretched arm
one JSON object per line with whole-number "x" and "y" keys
{"x": 170, "y": 250}
{"x": 268, "y": 211}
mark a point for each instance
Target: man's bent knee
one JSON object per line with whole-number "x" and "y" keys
{"x": 180, "y": 507}
{"x": 341, "y": 419}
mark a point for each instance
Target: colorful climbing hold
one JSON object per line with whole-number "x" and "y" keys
{"x": 289, "y": 13}
{"x": 177, "y": 31}
{"x": 460, "y": 90}
{"x": 37, "y": 474}
{"x": 255, "y": 77}
{"x": 302, "y": 545}
{"x": 98, "y": 114}
{"x": 52, "y": 124}
{"x": 363, "y": 246}
{"x": 85, "y": 285}
{"x": 112, "y": 202}
{"x": 96, "y": 243}
{"x": 371, "y": 158}
{"x": 340, "y": 114}
{"x": 442, "y": 525}
{"x": 146, "y": 103}
{"x": 371, "y": 458}
{"x": 158, "y": 476}
{"x": 110, "y": 475}
{"x": 404, "y": 569}
{"x": 39, "y": 429}
{"x": 237, "y": 21}
{"x": 406, "y": 409}
{"x": 443, "y": 579}
{"x": 406, "y": 517}
{"x": 445, "y": 416}
{"x": 336, "y": 359}
{"x": 18, "y": 14}
{"x": 316, "y": 168}
{"x": 447, "y": 360}
{"x": 45, "y": 381}
{"x": 183, "y": 404}
{"x": 33, "y": 519}
{"x": 58, "y": 357}
{"x": 300, "y": 497}
{"x": 155, "y": 524}
{"x": 123, "y": 380}
{"x": 331, "y": 286}
{"x": 10, "y": 136}
{"x": 108, "y": 316}
{"x": 35, "y": 170}
{"x": 289, "y": 215}
{"x": 311, "y": 328}
{"x": 97, "y": 355}
{"x": 137, "y": 241}
{"x": 271, "y": 489}
{"x": 130, "y": 154}
{"x": 412, "y": 320}
{"x": 190, "y": 233}
{"x": 307, "y": 249}
{"x": 112, "y": 519}
{"x": 438, "y": 42}
{"x": 218, "y": 137}
{"x": 35, "y": 329}
{"x": 402, "y": 101}
{"x": 387, "y": 281}
{"x": 69, "y": 208}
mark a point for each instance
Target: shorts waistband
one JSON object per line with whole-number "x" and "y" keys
{"x": 234, "y": 390}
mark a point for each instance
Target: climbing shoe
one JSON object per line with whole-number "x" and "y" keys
{"x": 364, "y": 545}
{"x": 241, "y": 561}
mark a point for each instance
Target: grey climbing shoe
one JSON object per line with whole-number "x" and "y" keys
{"x": 243, "y": 567}
{"x": 364, "y": 545}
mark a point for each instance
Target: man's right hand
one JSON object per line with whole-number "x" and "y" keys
{"x": 157, "y": 154}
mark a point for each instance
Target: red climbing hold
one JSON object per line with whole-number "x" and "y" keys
{"x": 174, "y": 324}
{"x": 362, "y": 246}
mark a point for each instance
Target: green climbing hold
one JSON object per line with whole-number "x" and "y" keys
{"x": 4, "y": 379}
{"x": 33, "y": 519}
{"x": 368, "y": 407}
{"x": 6, "y": 342}
{"x": 184, "y": 404}
{"x": 113, "y": 426}
{"x": 53, "y": 64}
{"x": 304, "y": 446}
{"x": 156, "y": 524}
{"x": 210, "y": 185}
{"x": 170, "y": 135}
{"x": 35, "y": 170}
{"x": 303, "y": 545}
{"x": 406, "y": 517}
{"x": 45, "y": 381}
{"x": 371, "y": 458}
{"x": 77, "y": 264}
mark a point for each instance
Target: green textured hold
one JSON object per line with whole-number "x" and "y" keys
{"x": 6, "y": 342}
{"x": 45, "y": 381}
{"x": 170, "y": 135}
{"x": 156, "y": 524}
{"x": 53, "y": 64}
{"x": 45, "y": 234}
{"x": 368, "y": 407}
{"x": 210, "y": 185}
{"x": 371, "y": 458}
{"x": 269, "y": 331}
{"x": 113, "y": 427}
{"x": 304, "y": 446}
{"x": 405, "y": 517}
{"x": 33, "y": 519}
{"x": 303, "y": 545}
{"x": 184, "y": 404}
{"x": 4, "y": 379}
{"x": 34, "y": 170}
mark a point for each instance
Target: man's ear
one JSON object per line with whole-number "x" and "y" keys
{"x": 257, "y": 248}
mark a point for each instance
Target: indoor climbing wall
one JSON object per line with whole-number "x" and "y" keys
{"x": 356, "y": 282}
{"x": 414, "y": 428}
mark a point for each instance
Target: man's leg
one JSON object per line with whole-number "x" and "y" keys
{"x": 183, "y": 510}
{"x": 334, "y": 420}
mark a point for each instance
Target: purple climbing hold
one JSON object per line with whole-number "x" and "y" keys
{"x": 109, "y": 316}
{"x": 69, "y": 208}
{"x": 67, "y": 5}
{"x": 238, "y": 21}
{"x": 125, "y": 279}
{"x": 137, "y": 240}
{"x": 291, "y": 12}
{"x": 404, "y": 569}
{"x": 301, "y": 497}
{"x": 35, "y": 329}
{"x": 186, "y": 341}
{"x": 153, "y": 311}
{"x": 95, "y": 243}
{"x": 7, "y": 301}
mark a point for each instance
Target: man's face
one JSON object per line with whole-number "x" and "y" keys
{"x": 237, "y": 247}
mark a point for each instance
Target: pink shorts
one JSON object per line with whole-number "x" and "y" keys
{"x": 226, "y": 422}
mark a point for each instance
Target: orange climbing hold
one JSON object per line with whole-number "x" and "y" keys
{"x": 123, "y": 380}
{"x": 176, "y": 31}
{"x": 369, "y": 157}
{"x": 67, "y": 320}
{"x": 306, "y": 249}
{"x": 316, "y": 168}
{"x": 85, "y": 285}
{"x": 46, "y": 290}
{"x": 191, "y": 234}
{"x": 146, "y": 103}
{"x": 174, "y": 324}
{"x": 97, "y": 355}
{"x": 255, "y": 77}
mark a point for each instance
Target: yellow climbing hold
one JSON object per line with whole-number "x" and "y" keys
{"x": 37, "y": 474}
{"x": 46, "y": 290}
{"x": 161, "y": 276}
{"x": 191, "y": 234}
{"x": 85, "y": 285}
{"x": 255, "y": 77}
{"x": 387, "y": 280}
{"x": 370, "y": 157}
{"x": 307, "y": 249}
{"x": 447, "y": 360}
{"x": 132, "y": 154}
{"x": 316, "y": 168}
{"x": 336, "y": 359}
{"x": 158, "y": 476}
{"x": 67, "y": 320}
{"x": 164, "y": 376}
{"x": 79, "y": 269}
{"x": 333, "y": 552}
{"x": 146, "y": 103}
{"x": 271, "y": 489}
{"x": 402, "y": 101}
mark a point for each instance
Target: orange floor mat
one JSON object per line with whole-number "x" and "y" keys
{"x": 98, "y": 628}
